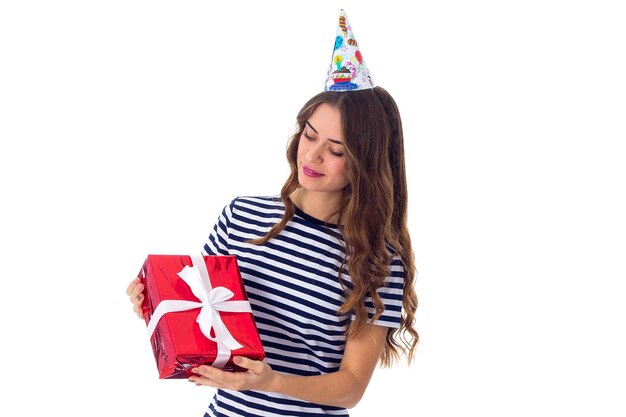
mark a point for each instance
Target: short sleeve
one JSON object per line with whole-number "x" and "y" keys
{"x": 391, "y": 295}
{"x": 217, "y": 242}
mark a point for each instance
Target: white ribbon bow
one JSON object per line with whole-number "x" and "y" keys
{"x": 213, "y": 300}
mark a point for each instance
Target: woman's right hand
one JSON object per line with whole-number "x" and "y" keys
{"x": 135, "y": 292}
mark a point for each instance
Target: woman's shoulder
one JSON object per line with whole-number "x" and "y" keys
{"x": 257, "y": 205}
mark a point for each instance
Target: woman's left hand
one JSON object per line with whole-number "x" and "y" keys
{"x": 259, "y": 376}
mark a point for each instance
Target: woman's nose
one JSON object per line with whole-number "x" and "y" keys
{"x": 314, "y": 154}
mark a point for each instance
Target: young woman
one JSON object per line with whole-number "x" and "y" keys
{"x": 328, "y": 265}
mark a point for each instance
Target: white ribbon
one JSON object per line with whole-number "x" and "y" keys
{"x": 213, "y": 300}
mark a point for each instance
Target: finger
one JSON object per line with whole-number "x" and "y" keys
{"x": 217, "y": 376}
{"x": 207, "y": 372}
{"x": 138, "y": 310}
{"x": 255, "y": 366}
{"x": 201, "y": 381}
{"x": 213, "y": 377}
{"x": 137, "y": 299}
{"x": 131, "y": 286}
{"x": 138, "y": 303}
{"x": 136, "y": 294}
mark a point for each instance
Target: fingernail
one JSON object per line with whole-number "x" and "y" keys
{"x": 238, "y": 360}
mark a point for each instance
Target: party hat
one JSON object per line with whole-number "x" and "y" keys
{"x": 347, "y": 70}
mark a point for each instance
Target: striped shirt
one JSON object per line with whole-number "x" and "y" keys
{"x": 293, "y": 287}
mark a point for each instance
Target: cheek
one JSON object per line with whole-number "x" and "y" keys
{"x": 339, "y": 169}
{"x": 302, "y": 149}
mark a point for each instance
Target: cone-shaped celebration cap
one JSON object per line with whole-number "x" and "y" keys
{"x": 347, "y": 69}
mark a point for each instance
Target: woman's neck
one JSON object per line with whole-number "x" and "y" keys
{"x": 321, "y": 205}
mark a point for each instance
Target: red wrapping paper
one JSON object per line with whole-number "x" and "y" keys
{"x": 177, "y": 342}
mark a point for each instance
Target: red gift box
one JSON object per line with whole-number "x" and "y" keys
{"x": 197, "y": 320}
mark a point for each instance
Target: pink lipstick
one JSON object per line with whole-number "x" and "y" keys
{"x": 310, "y": 172}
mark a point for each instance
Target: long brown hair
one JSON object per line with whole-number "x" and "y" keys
{"x": 372, "y": 216}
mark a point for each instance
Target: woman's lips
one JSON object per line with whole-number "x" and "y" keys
{"x": 309, "y": 172}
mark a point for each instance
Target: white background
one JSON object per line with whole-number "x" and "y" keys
{"x": 126, "y": 126}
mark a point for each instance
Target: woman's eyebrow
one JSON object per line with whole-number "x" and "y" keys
{"x": 338, "y": 142}
{"x": 309, "y": 125}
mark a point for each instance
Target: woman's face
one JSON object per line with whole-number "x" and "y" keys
{"x": 321, "y": 153}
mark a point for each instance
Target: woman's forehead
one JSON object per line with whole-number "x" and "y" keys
{"x": 326, "y": 121}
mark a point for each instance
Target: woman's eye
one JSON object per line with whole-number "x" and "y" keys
{"x": 311, "y": 139}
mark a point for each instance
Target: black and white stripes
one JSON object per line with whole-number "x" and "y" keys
{"x": 293, "y": 287}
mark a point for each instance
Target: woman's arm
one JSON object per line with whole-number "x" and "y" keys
{"x": 343, "y": 388}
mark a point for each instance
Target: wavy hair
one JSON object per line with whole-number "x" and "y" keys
{"x": 372, "y": 216}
